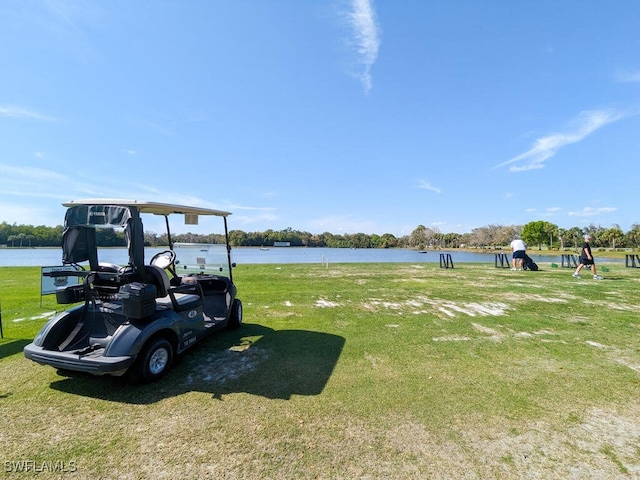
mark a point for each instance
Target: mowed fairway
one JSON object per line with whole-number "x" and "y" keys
{"x": 355, "y": 371}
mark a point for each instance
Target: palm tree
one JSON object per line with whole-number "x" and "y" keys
{"x": 561, "y": 233}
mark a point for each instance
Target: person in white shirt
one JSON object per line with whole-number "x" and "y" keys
{"x": 519, "y": 249}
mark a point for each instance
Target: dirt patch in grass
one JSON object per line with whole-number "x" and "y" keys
{"x": 488, "y": 332}
{"x": 626, "y": 358}
{"x": 601, "y": 445}
{"x": 324, "y": 303}
{"x": 437, "y": 307}
{"x": 220, "y": 367}
{"x": 604, "y": 444}
{"x": 452, "y": 338}
{"x": 496, "y": 333}
{"x": 621, "y": 307}
{"x": 533, "y": 297}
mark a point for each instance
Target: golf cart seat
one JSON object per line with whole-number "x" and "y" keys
{"x": 182, "y": 297}
{"x": 158, "y": 277}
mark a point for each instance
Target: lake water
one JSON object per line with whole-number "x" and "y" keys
{"x": 276, "y": 255}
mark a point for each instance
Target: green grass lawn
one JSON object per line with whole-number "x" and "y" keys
{"x": 367, "y": 371}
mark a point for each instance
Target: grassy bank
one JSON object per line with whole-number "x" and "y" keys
{"x": 355, "y": 371}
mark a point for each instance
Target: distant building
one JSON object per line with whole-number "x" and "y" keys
{"x": 281, "y": 244}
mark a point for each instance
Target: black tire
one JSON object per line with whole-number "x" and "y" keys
{"x": 235, "y": 317}
{"x": 154, "y": 360}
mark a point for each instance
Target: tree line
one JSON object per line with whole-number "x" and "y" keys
{"x": 536, "y": 234}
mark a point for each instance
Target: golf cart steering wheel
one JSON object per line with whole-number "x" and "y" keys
{"x": 163, "y": 259}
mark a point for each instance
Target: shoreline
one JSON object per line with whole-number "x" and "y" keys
{"x": 598, "y": 252}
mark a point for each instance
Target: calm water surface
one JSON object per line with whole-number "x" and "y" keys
{"x": 274, "y": 255}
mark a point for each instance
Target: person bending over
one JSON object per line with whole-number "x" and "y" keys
{"x": 519, "y": 249}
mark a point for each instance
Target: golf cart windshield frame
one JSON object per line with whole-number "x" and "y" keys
{"x": 84, "y": 216}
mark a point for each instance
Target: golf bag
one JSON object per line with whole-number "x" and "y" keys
{"x": 529, "y": 264}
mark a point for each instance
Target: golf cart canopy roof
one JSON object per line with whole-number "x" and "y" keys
{"x": 154, "y": 208}
{"x": 83, "y": 217}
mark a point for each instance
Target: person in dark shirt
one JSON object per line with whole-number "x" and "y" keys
{"x": 586, "y": 259}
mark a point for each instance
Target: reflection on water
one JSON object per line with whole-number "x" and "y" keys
{"x": 275, "y": 255}
{"x": 40, "y": 257}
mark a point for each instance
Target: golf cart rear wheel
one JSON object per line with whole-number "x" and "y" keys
{"x": 155, "y": 360}
{"x": 235, "y": 317}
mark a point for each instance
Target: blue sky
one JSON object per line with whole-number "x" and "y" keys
{"x": 344, "y": 116}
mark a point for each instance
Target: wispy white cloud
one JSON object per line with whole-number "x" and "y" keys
{"x": 20, "y": 185}
{"x": 591, "y": 211}
{"x": 67, "y": 21}
{"x": 162, "y": 125}
{"x": 27, "y": 212}
{"x": 628, "y": 77}
{"x": 253, "y": 209}
{"x": 546, "y": 147}
{"x": 363, "y": 23}
{"x": 551, "y": 212}
{"x": 13, "y": 111}
{"x": 31, "y": 173}
{"x": 17, "y": 181}
{"x": 424, "y": 185}
{"x": 64, "y": 11}
{"x": 246, "y": 216}
{"x": 27, "y": 183}
{"x": 342, "y": 224}
{"x": 247, "y": 220}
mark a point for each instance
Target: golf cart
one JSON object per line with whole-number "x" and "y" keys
{"x": 134, "y": 318}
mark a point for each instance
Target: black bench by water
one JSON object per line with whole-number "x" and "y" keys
{"x": 501, "y": 260}
{"x": 569, "y": 261}
{"x": 446, "y": 261}
{"x": 632, "y": 261}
